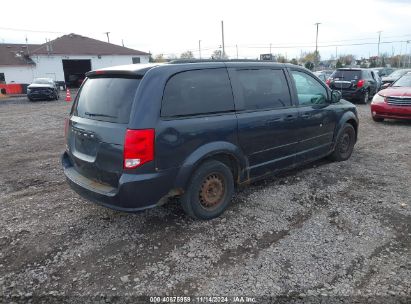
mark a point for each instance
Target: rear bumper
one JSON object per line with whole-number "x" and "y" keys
{"x": 383, "y": 110}
{"x": 135, "y": 192}
{"x": 357, "y": 94}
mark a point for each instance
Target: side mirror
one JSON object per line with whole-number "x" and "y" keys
{"x": 335, "y": 96}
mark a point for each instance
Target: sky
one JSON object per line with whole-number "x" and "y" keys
{"x": 174, "y": 26}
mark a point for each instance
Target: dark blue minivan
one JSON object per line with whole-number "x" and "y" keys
{"x": 139, "y": 134}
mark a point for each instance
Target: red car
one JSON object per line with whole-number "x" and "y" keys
{"x": 394, "y": 101}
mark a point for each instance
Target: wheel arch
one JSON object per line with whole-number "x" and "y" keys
{"x": 225, "y": 152}
{"x": 350, "y": 118}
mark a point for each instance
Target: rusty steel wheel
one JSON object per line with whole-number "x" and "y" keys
{"x": 212, "y": 191}
{"x": 209, "y": 191}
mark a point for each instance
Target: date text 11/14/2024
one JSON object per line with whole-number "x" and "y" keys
{"x": 203, "y": 299}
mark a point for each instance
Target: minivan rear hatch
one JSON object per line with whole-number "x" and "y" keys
{"x": 99, "y": 120}
{"x": 344, "y": 79}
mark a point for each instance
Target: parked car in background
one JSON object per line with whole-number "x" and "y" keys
{"x": 323, "y": 75}
{"x": 386, "y": 81}
{"x": 354, "y": 83}
{"x": 383, "y": 71}
{"x": 139, "y": 134}
{"x": 394, "y": 101}
{"x": 376, "y": 76}
{"x": 43, "y": 89}
{"x": 75, "y": 80}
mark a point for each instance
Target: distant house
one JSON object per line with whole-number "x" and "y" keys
{"x": 66, "y": 58}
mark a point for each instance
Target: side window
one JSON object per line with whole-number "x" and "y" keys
{"x": 197, "y": 92}
{"x": 135, "y": 60}
{"x": 262, "y": 89}
{"x": 309, "y": 90}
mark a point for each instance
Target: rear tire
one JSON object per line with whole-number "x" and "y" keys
{"x": 209, "y": 192}
{"x": 345, "y": 144}
{"x": 377, "y": 119}
{"x": 365, "y": 98}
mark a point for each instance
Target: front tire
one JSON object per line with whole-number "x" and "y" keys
{"x": 209, "y": 192}
{"x": 377, "y": 119}
{"x": 345, "y": 144}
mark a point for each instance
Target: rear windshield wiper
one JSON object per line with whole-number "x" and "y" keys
{"x": 99, "y": 114}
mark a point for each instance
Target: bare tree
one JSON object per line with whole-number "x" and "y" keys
{"x": 187, "y": 55}
{"x": 159, "y": 58}
{"x": 218, "y": 54}
{"x": 347, "y": 59}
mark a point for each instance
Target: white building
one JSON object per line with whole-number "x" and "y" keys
{"x": 66, "y": 58}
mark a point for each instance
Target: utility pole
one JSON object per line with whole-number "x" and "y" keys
{"x": 379, "y": 40}
{"x": 270, "y": 49}
{"x": 222, "y": 37}
{"x": 27, "y": 47}
{"x": 199, "y": 48}
{"x": 122, "y": 42}
{"x": 236, "y": 48}
{"x": 316, "y": 43}
{"x": 108, "y": 36}
{"x": 409, "y": 55}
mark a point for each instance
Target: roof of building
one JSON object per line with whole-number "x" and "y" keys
{"x": 73, "y": 44}
{"x": 16, "y": 54}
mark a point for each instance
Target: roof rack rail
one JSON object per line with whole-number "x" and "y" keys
{"x": 217, "y": 60}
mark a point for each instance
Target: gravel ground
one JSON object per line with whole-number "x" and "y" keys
{"x": 328, "y": 232}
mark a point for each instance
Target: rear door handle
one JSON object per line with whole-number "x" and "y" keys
{"x": 289, "y": 117}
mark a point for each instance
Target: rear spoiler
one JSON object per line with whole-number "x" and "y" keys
{"x": 114, "y": 73}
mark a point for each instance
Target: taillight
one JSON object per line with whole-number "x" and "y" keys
{"x": 138, "y": 148}
{"x": 360, "y": 83}
{"x": 328, "y": 81}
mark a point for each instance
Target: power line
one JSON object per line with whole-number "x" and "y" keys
{"x": 331, "y": 41}
{"x": 319, "y": 46}
{"x": 31, "y": 31}
{"x": 302, "y": 44}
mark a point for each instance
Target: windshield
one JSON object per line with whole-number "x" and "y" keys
{"x": 347, "y": 74}
{"x": 107, "y": 99}
{"x": 43, "y": 81}
{"x": 398, "y": 73}
{"x": 404, "y": 81}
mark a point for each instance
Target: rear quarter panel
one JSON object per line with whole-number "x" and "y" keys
{"x": 180, "y": 142}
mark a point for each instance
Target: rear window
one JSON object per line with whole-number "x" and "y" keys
{"x": 107, "y": 99}
{"x": 197, "y": 92}
{"x": 347, "y": 75}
